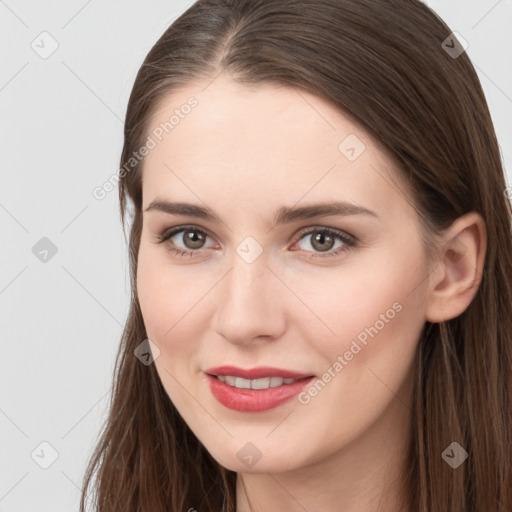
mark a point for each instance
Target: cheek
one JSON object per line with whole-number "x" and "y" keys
{"x": 170, "y": 299}
{"x": 151, "y": 292}
{"x": 369, "y": 359}
{"x": 158, "y": 294}
{"x": 366, "y": 315}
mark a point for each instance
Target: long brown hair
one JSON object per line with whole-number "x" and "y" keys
{"x": 385, "y": 64}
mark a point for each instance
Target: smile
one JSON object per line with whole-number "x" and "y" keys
{"x": 254, "y": 395}
{"x": 264, "y": 383}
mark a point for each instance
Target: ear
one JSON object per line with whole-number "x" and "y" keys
{"x": 458, "y": 270}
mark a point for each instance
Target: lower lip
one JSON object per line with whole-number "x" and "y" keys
{"x": 254, "y": 400}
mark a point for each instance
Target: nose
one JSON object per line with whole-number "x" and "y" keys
{"x": 250, "y": 303}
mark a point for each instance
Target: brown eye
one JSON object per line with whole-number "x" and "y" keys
{"x": 322, "y": 241}
{"x": 193, "y": 239}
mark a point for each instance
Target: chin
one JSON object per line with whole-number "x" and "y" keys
{"x": 246, "y": 458}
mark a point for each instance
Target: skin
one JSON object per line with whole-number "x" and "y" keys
{"x": 245, "y": 152}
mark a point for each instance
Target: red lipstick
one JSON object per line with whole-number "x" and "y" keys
{"x": 255, "y": 400}
{"x": 256, "y": 373}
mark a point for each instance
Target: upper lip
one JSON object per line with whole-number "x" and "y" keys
{"x": 256, "y": 373}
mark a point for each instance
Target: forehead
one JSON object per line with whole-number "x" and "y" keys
{"x": 263, "y": 144}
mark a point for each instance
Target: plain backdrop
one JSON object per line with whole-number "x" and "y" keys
{"x": 64, "y": 287}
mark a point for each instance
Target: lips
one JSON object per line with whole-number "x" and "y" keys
{"x": 255, "y": 400}
{"x": 256, "y": 373}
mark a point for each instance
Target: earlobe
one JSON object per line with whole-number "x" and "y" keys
{"x": 457, "y": 273}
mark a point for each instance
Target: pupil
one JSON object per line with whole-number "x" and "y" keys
{"x": 194, "y": 238}
{"x": 321, "y": 237}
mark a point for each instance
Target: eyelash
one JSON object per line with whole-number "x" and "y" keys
{"x": 349, "y": 241}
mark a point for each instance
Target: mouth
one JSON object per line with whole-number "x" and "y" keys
{"x": 263, "y": 383}
{"x": 255, "y": 390}
{"x": 261, "y": 372}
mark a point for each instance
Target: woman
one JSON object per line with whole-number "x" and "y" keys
{"x": 321, "y": 269}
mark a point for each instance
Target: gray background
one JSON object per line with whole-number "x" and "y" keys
{"x": 61, "y": 121}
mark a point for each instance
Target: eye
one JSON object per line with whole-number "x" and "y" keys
{"x": 193, "y": 240}
{"x": 324, "y": 240}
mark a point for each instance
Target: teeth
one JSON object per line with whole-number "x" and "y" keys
{"x": 261, "y": 383}
{"x": 242, "y": 383}
{"x": 265, "y": 383}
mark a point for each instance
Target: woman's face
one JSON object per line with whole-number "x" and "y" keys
{"x": 266, "y": 286}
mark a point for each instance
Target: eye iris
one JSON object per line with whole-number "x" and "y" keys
{"x": 321, "y": 238}
{"x": 193, "y": 239}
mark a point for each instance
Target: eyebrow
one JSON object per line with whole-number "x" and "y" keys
{"x": 283, "y": 216}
